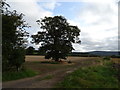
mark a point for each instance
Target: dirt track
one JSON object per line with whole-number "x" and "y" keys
{"x": 58, "y": 72}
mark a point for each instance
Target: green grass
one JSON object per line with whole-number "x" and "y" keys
{"x": 106, "y": 58}
{"x": 91, "y": 77}
{"x": 8, "y": 76}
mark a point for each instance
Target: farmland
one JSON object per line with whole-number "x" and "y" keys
{"x": 51, "y": 73}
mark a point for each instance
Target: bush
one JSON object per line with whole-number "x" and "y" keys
{"x": 14, "y": 38}
{"x": 17, "y": 58}
{"x": 115, "y": 56}
{"x": 106, "y": 58}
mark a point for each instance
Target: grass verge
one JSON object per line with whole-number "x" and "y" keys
{"x": 9, "y": 76}
{"x": 103, "y": 76}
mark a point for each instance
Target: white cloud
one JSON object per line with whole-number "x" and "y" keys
{"x": 49, "y": 5}
{"x": 32, "y": 12}
{"x": 98, "y": 21}
{"x": 99, "y": 24}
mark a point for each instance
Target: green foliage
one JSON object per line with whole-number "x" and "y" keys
{"x": 18, "y": 57}
{"x": 41, "y": 51}
{"x": 106, "y": 58}
{"x": 30, "y": 50}
{"x": 57, "y": 37}
{"x": 91, "y": 77}
{"x": 115, "y": 56}
{"x": 14, "y": 37}
{"x": 8, "y": 76}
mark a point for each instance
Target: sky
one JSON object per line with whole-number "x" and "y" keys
{"x": 97, "y": 20}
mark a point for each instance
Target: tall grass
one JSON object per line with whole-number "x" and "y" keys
{"x": 103, "y": 76}
{"x": 8, "y": 76}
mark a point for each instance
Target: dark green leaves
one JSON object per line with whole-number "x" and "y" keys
{"x": 14, "y": 37}
{"x": 57, "y": 37}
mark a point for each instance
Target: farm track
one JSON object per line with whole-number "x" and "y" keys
{"x": 40, "y": 81}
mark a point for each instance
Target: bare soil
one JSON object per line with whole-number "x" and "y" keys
{"x": 56, "y": 71}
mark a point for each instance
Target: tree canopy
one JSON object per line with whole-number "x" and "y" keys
{"x": 13, "y": 38}
{"x": 30, "y": 50}
{"x": 56, "y": 37}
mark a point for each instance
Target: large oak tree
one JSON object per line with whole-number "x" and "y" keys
{"x": 56, "y": 37}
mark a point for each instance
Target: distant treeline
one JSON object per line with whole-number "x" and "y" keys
{"x": 31, "y": 51}
{"x": 89, "y": 54}
{"x": 82, "y": 54}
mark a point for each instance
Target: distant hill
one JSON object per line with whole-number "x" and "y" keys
{"x": 96, "y": 53}
{"x": 104, "y": 53}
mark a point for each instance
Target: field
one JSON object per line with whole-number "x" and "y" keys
{"x": 51, "y": 73}
{"x": 34, "y": 63}
{"x": 41, "y": 58}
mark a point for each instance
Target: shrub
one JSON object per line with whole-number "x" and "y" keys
{"x": 106, "y": 58}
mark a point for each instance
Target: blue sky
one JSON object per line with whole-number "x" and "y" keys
{"x": 98, "y": 21}
{"x": 68, "y": 9}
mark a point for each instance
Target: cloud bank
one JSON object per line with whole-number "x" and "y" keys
{"x": 98, "y": 21}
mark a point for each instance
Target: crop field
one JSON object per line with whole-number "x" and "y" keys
{"x": 35, "y": 63}
{"x": 34, "y": 58}
{"x": 41, "y": 58}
